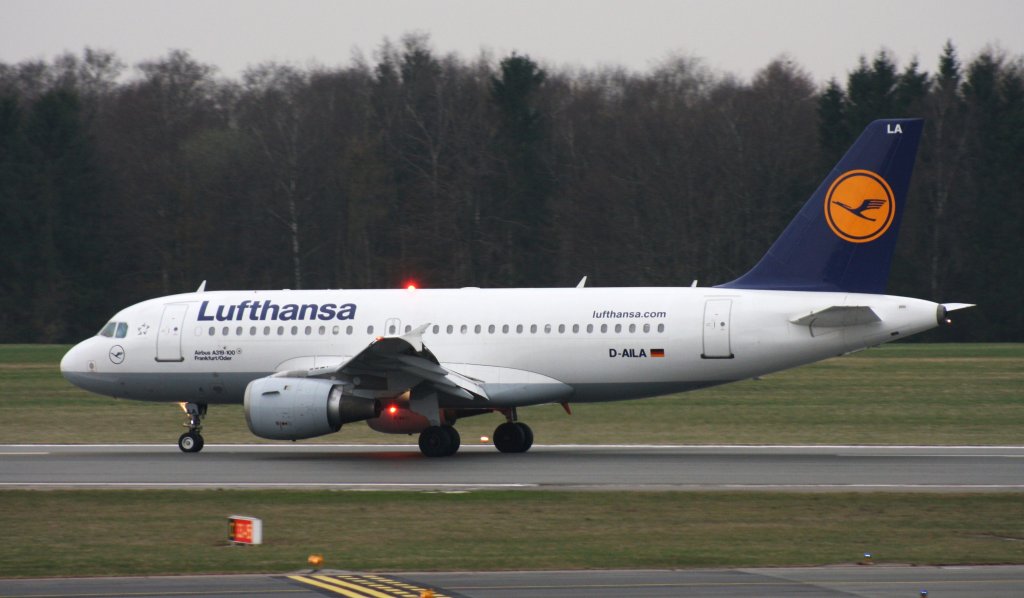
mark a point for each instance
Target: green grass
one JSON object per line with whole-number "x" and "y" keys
{"x": 897, "y": 394}
{"x": 164, "y": 532}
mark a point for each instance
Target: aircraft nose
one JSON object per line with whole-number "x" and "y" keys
{"x": 73, "y": 362}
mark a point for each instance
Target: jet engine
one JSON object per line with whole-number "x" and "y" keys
{"x": 295, "y": 408}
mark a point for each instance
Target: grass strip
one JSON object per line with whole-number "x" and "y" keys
{"x": 121, "y": 532}
{"x": 896, "y": 394}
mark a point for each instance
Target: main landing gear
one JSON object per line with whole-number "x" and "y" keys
{"x": 192, "y": 441}
{"x": 513, "y": 436}
{"x": 439, "y": 441}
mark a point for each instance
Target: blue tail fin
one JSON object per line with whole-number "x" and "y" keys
{"x": 844, "y": 237}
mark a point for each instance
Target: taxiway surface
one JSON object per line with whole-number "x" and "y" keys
{"x": 812, "y": 581}
{"x": 394, "y": 467}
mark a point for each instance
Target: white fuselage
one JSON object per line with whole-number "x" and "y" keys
{"x": 525, "y": 346}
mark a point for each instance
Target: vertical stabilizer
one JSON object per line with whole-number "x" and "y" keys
{"x": 844, "y": 237}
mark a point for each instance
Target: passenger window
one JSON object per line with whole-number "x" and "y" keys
{"x": 450, "y": 329}
{"x": 647, "y": 327}
{"x": 322, "y": 330}
{"x": 490, "y": 329}
{"x": 464, "y": 329}
{"x": 408, "y": 328}
{"x": 575, "y": 328}
{"x": 348, "y": 330}
{"x": 122, "y": 330}
{"x": 238, "y": 331}
{"x": 108, "y": 330}
{"x": 618, "y": 328}
{"x": 295, "y": 330}
{"x": 504, "y": 329}
{"x": 533, "y": 329}
{"x": 391, "y": 329}
{"x": 369, "y": 330}
{"x": 280, "y": 331}
{"x": 590, "y": 328}
{"x": 561, "y": 328}
{"x": 309, "y": 330}
{"x": 436, "y": 329}
{"x": 519, "y": 328}
{"x": 547, "y": 328}
{"x": 266, "y": 331}
{"x": 252, "y": 331}
{"x": 335, "y": 330}
{"x": 632, "y": 327}
{"x": 225, "y": 331}
{"x": 604, "y": 328}
{"x": 213, "y": 331}
{"x": 476, "y": 329}
{"x": 661, "y": 328}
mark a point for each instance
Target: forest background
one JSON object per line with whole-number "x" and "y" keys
{"x": 118, "y": 185}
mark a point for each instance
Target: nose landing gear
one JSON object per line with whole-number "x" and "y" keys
{"x": 192, "y": 441}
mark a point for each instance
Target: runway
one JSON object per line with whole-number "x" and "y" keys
{"x": 811, "y": 581}
{"x": 401, "y": 467}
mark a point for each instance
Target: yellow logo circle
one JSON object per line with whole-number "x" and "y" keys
{"x": 859, "y": 206}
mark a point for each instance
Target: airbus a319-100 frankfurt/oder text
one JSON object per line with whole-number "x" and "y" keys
{"x": 304, "y": 363}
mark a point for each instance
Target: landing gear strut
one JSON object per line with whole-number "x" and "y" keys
{"x": 192, "y": 441}
{"x": 513, "y": 436}
{"x": 439, "y": 441}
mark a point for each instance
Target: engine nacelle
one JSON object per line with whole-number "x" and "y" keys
{"x": 296, "y": 408}
{"x": 397, "y": 420}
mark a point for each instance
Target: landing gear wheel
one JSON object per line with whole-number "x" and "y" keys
{"x": 527, "y": 436}
{"x": 513, "y": 437}
{"x": 439, "y": 441}
{"x": 454, "y": 438}
{"x": 190, "y": 442}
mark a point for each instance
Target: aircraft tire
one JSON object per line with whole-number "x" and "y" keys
{"x": 455, "y": 440}
{"x": 509, "y": 438}
{"x": 190, "y": 442}
{"x": 527, "y": 436}
{"x": 435, "y": 441}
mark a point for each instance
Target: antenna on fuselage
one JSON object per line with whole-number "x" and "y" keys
{"x": 202, "y": 287}
{"x": 583, "y": 283}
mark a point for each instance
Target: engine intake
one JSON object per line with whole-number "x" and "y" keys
{"x": 296, "y": 408}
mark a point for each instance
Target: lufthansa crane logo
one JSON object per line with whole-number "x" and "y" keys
{"x": 859, "y": 206}
{"x": 116, "y": 354}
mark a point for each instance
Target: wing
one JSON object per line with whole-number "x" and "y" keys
{"x": 394, "y": 364}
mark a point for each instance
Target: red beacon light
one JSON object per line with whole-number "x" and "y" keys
{"x": 392, "y": 410}
{"x": 410, "y": 285}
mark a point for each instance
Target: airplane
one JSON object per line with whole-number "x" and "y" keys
{"x": 304, "y": 363}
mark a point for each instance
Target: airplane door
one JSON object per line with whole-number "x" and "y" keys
{"x": 168, "y": 337}
{"x": 393, "y": 327}
{"x": 717, "y": 344}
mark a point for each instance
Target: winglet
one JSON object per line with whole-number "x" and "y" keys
{"x": 415, "y": 337}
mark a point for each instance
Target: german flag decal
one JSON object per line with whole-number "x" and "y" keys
{"x": 657, "y": 352}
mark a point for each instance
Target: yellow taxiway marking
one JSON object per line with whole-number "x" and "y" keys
{"x": 364, "y": 586}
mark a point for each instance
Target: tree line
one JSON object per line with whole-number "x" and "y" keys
{"x": 116, "y": 187}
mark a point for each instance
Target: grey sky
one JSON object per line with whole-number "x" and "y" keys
{"x": 735, "y": 36}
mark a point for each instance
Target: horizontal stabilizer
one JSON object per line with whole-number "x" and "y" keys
{"x": 838, "y": 316}
{"x": 955, "y": 306}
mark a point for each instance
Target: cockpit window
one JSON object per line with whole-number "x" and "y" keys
{"x": 115, "y": 330}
